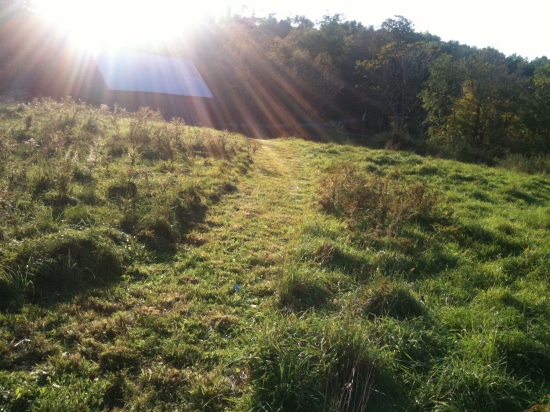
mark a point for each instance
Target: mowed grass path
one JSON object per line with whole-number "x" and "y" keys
{"x": 259, "y": 219}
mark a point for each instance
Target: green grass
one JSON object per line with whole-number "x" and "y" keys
{"x": 147, "y": 265}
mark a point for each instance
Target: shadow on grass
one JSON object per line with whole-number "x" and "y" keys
{"x": 515, "y": 194}
{"x": 300, "y": 291}
{"x": 486, "y": 243}
{"x": 334, "y": 257}
{"x": 57, "y": 267}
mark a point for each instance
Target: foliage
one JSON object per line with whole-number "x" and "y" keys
{"x": 483, "y": 103}
{"x": 396, "y": 78}
{"x": 293, "y": 77}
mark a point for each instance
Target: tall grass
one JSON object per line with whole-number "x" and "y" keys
{"x": 427, "y": 241}
{"x": 79, "y": 186}
{"x": 313, "y": 364}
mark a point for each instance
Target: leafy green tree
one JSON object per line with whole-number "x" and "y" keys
{"x": 477, "y": 100}
{"x": 536, "y": 115}
{"x": 400, "y": 29}
{"x": 441, "y": 91}
{"x": 275, "y": 28}
{"x": 335, "y": 36}
{"x": 301, "y": 22}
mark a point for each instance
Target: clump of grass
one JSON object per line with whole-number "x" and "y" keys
{"x": 354, "y": 372}
{"x": 44, "y": 268}
{"x": 470, "y": 383}
{"x": 301, "y": 290}
{"x": 313, "y": 365}
{"x": 388, "y": 297}
{"x": 13, "y": 287}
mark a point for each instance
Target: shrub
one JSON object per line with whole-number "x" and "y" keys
{"x": 526, "y": 164}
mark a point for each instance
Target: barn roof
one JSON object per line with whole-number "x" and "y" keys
{"x": 140, "y": 72}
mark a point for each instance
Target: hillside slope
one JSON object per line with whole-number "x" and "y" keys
{"x": 154, "y": 266}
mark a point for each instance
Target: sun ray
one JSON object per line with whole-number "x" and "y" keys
{"x": 93, "y": 24}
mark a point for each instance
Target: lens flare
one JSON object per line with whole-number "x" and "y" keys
{"x": 99, "y": 23}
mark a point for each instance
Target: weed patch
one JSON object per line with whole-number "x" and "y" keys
{"x": 378, "y": 207}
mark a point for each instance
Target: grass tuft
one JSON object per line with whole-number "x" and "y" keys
{"x": 299, "y": 290}
{"x": 387, "y": 297}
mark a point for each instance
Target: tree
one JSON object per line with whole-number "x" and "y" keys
{"x": 395, "y": 78}
{"x": 536, "y": 114}
{"x": 441, "y": 92}
{"x": 477, "y": 100}
{"x": 22, "y": 55}
{"x": 400, "y": 29}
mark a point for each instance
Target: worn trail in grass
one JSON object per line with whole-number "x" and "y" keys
{"x": 247, "y": 236}
{"x": 244, "y": 244}
{"x": 258, "y": 220}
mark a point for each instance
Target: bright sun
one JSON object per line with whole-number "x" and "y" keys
{"x": 96, "y": 23}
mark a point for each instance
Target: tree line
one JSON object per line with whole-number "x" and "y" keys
{"x": 294, "y": 74}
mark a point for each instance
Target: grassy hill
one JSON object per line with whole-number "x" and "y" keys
{"x": 147, "y": 265}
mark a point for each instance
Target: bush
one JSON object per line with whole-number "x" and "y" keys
{"x": 526, "y": 164}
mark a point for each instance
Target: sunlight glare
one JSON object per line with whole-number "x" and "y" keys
{"x": 91, "y": 24}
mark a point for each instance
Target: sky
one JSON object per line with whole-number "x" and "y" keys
{"x": 511, "y": 27}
